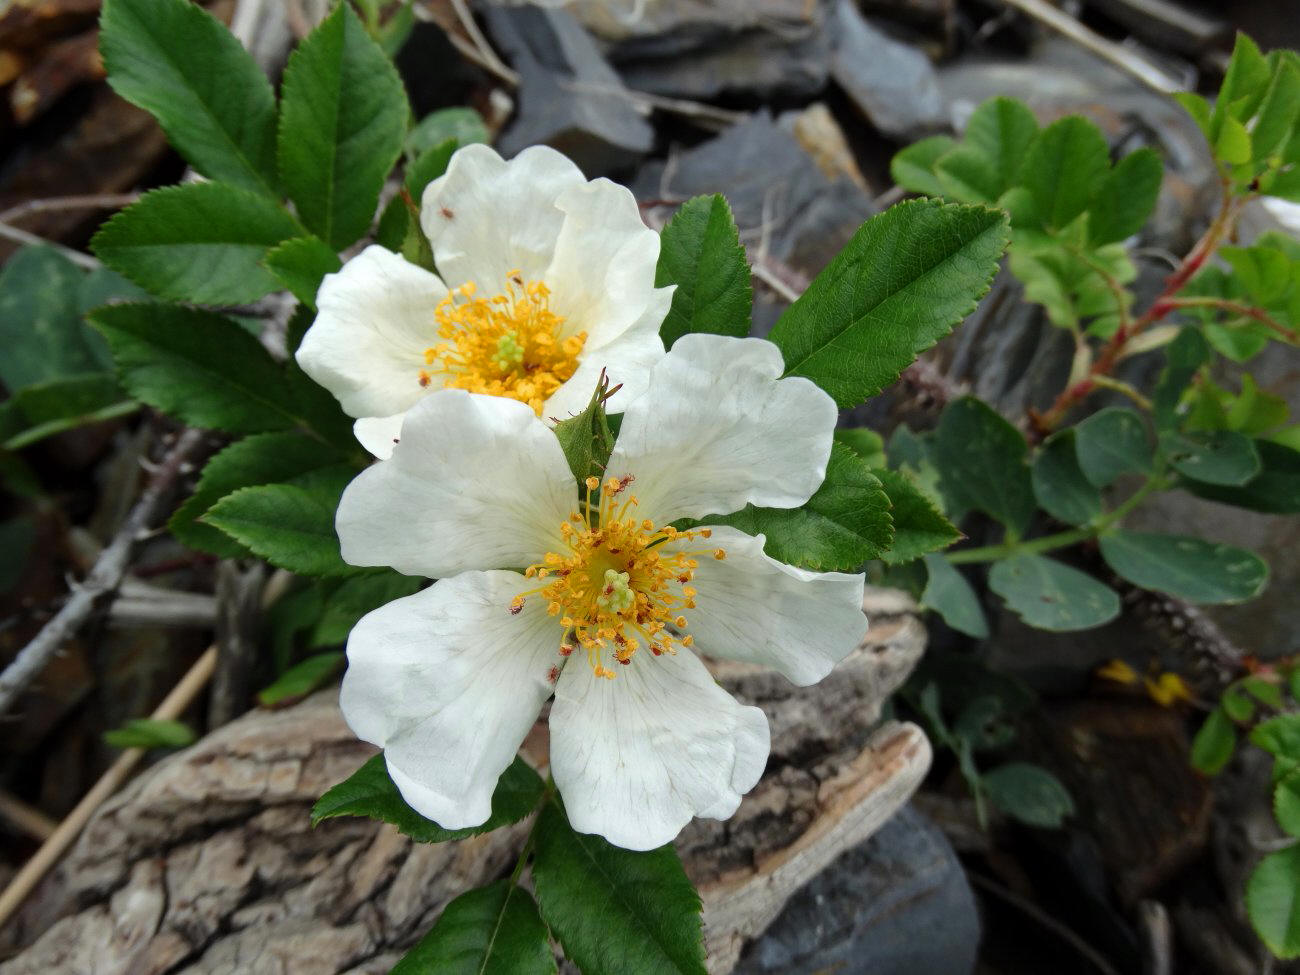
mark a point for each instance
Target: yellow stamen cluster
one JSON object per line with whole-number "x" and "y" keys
{"x": 507, "y": 345}
{"x": 615, "y": 589}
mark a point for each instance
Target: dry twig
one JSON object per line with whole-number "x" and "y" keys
{"x": 106, "y": 575}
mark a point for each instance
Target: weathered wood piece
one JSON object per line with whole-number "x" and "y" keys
{"x": 207, "y": 863}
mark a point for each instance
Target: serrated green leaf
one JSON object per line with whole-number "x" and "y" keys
{"x": 1065, "y": 169}
{"x": 1286, "y": 804}
{"x": 196, "y": 242}
{"x": 949, "y": 594}
{"x": 1049, "y": 595}
{"x": 1060, "y": 486}
{"x": 867, "y": 444}
{"x": 1264, "y": 691}
{"x": 1126, "y": 198}
{"x": 461, "y": 125}
{"x": 1233, "y": 144}
{"x": 1214, "y": 743}
{"x": 968, "y": 176}
{"x": 1237, "y": 705}
{"x": 494, "y": 930}
{"x": 399, "y": 226}
{"x": 1275, "y": 490}
{"x": 844, "y": 524}
{"x": 1222, "y": 457}
{"x": 985, "y": 166}
{"x": 42, "y": 297}
{"x": 700, "y": 252}
{"x": 1276, "y": 123}
{"x": 907, "y": 277}
{"x": 1029, "y": 793}
{"x": 300, "y": 265}
{"x": 1197, "y": 107}
{"x": 369, "y": 791}
{"x": 301, "y": 679}
{"x": 342, "y": 123}
{"x": 1002, "y": 129}
{"x": 1189, "y": 568}
{"x": 1273, "y": 901}
{"x": 1280, "y": 737}
{"x": 181, "y": 65}
{"x": 1244, "y": 82}
{"x": 613, "y": 910}
{"x": 289, "y": 525}
{"x": 981, "y": 461}
{"x": 268, "y": 458}
{"x": 428, "y": 166}
{"x": 913, "y": 168}
{"x": 1112, "y": 442}
{"x": 354, "y": 598}
{"x": 198, "y": 366}
{"x": 44, "y": 409}
{"x": 919, "y": 526}
{"x": 150, "y": 733}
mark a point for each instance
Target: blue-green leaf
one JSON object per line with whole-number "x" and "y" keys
{"x": 1112, "y": 442}
{"x": 981, "y": 461}
{"x": 1049, "y": 595}
{"x": 949, "y": 594}
{"x": 1189, "y": 568}
{"x": 1060, "y": 485}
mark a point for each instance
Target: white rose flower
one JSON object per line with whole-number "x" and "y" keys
{"x": 544, "y": 280}
{"x": 591, "y": 595}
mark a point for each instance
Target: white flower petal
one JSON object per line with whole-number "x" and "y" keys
{"x": 627, "y": 360}
{"x": 716, "y": 429}
{"x": 637, "y": 756}
{"x": 448, "y": 682}
{"x": 477, "y": 482}
{"x": 752, "y": 607}
{"x": 486, "y": 217}
{"x": 378, "y": 434}
{"x": 374, "y": 321}
{"x": 603, "y": 273}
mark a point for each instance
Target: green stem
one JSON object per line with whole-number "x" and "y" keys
{"x": 1048, "y": 543}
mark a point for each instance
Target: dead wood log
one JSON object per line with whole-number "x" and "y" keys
{"x": 207, "y": 863}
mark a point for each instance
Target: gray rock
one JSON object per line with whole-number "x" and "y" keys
{"x": 783, "y": 202}
{"x": 702, "y": 50}
{"x": 569, "y": 97}
{"x": 892, "y": 84}
{"x": 899, "y": 904}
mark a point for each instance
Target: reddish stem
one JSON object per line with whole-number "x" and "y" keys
{"x": 1113, "y": 350}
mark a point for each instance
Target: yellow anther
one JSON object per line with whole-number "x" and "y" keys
{"x": 506, "y": 345}
{"x": 615, "y": 587}
{"x": 720, "y": 554}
